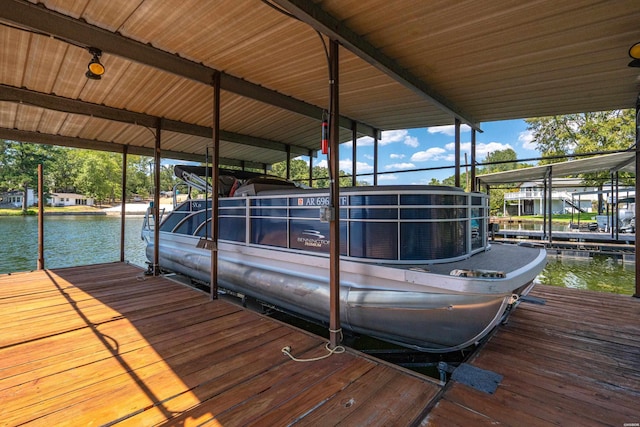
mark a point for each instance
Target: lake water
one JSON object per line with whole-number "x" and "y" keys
{"x": 72, "y": 240}
{"x": 69, "y": 240}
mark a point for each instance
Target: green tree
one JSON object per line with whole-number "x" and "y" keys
{"x": 502, "y": 160}
{"x": 99, "y": 175}
{"x": 300, "y": 173}
{"x": 19, "y": 165}
{"x": 499, "y": 161}
{"x": 299, "y": 170}
{"x": 584, "y": 133}
{"x": 63, "y": 171}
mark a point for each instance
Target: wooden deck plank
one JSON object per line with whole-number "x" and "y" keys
{"x": 409, "y": 398}
{"x": 572, "y": 361}
{"x": 104, "y": 344}
{"x": 141, "y": 386}
{"x": 341, "y": 406}
{"x": 85, "y": 381}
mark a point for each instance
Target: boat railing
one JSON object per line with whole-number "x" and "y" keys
{"x": 149, "y": 222}
{"x": 395, "y": 227}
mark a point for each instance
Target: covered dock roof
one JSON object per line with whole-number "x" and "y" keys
{"x": 404, "y": 64}
{"x": 616, "y": 162}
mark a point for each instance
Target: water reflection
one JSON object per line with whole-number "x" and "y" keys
{"x": 600, "y": 273}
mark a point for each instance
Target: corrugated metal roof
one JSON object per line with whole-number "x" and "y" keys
{"x": 482, "y": 60}
{"x": 621, "y": 162}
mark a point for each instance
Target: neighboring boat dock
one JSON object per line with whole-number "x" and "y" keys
{"x": 106, "y": 345}
{"x": 576, "y": 243}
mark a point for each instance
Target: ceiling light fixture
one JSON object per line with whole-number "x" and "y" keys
{"x": 95, "y": 67}
{"x": 634, "y": 52}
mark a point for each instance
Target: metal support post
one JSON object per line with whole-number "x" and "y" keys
{"x": 123, "y": 211}
{"x": 637, "y": 221}
{"x": 215, "y": 173}
{"x": 335, "y": 333}
{"x": 457, "y": 152}
{"x": 473, "y": 160}
{"x": 40, "y": 217}
{"x": 156, "y": 200}
{"x": 354, "y": 152}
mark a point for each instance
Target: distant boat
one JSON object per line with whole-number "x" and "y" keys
{"x": 416, "y": 266}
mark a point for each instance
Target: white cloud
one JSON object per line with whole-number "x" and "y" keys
{"x": 368, "y": 156}
{"x": 400, "y": 166}
{"x": 411, "y": 141}
{"x": 363, "y": 167}
{"x": 434, "y": 153}
{"x": 526, "y": 138}
{"x": 345, "y": 165}
{"x": 448, "y": 130}
{"x": 397, "y": 156}
{"x": 365, "y": 141}
{"x": 482, "y": 149}
{"x": 390, "y": 137}
{"x": 387, "y": 177}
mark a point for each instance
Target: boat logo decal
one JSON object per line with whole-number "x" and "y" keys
{"x": 313, "y": 238}
{"x": 313, "y": 233}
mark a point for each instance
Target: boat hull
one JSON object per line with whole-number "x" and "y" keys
{"x": 413, "y": 307}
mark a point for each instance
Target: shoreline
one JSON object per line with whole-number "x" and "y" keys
{"x": 133, "y": 209}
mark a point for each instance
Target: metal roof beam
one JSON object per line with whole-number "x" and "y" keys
{"x": 67, "y": 105}
{"x": 37, "y": 17}
{"x": 113, "y": 147}
{"x": 320, "y": 20}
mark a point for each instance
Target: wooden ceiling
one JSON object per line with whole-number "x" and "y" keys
{"x": 404, "y": 64}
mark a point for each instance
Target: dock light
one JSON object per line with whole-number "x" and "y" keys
{"x": 95, "y": 69}
{"x": 634, "y": 52}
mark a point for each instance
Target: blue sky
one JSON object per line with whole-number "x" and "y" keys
{"x": 431, "y": 147}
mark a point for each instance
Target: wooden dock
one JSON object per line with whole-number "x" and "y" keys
{"x": 573, "y": 361}
{"x": 105, "y": 345}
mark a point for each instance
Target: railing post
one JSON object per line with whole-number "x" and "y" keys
{"x": 40, "y": 217}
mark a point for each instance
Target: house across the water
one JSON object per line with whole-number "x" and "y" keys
{"x": 569, "y": 195}
{"x": 69, "y": 199}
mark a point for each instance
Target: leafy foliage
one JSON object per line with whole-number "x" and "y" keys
{"x": 95, "y": 174}
{"x": 19, "y": 166}
{"x": 300, "y": 173}
{"x": 584, "y": 133}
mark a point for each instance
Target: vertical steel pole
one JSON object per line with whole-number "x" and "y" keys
{"x": 375, "y": 159}
{"x": 40, "y": 217}
{"x": 473, "y": 160}
{"x": 354, "y": 152}
{"x": 310, "y": 168}
{"x": 288, "y": 147}
{"x": 617, "y": 222}
{"x": 637, "y": 221}
{"x": 550, "y": 202}
{"x": 215, "y": 159}
{"x": 457, "y": 152}
{"x": 544, "y": 207}
{"x": 156, "y": 200}
{"x": 613, "y": 207}
{"x": 334, "y": 224}
{"x": 125, "y": 150}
